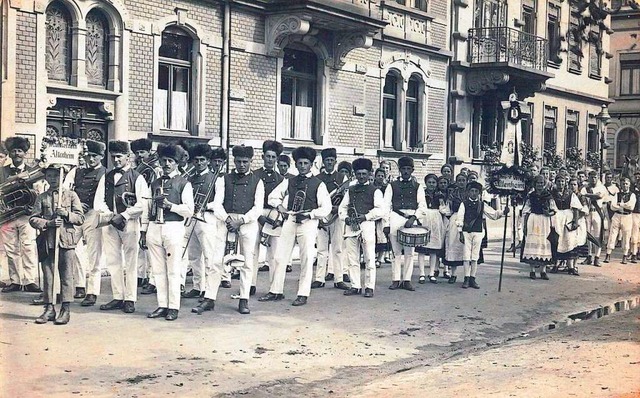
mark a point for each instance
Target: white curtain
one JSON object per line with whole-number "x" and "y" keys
{"x": 304, "y": 121}
{"x": 179, "y": 110}
{"x": 160, "y": 108}
{"x": 284, "y": 120}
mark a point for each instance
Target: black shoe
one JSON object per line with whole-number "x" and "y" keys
{"x": 362, "y": 266}
{"x": 38, "y": 300}
{"x": 235, "y": 276}
{"x": 587, "y": 261}
{"x": 368, "y": 292}
{"x": 452, "y": 279}
{"x": 140, "y": 282}
{"x": 14, "y": 287}
{"x": 406, "y": 285}
{"x": 445, "y": 275}
{"x": 395, "y": 285}
{"x": 624, "y": 260}
{"x": 465, "y": 283}
{"x": 433, "y": 279}
{"x": 193, "y": 293}
{"x": 112, "y": 305}
{"x": 543, "y": 276}
{"x": 422, "y": 279}
{"x": 606, "y": 259}
{"x": 225, "y": 284}
{"x": 634, "y": 259}
{"x": 472, "y": 283}
{"x": 272, "y": 297}
{"x": 243, "y": 307}
{"x": 80, "y": 293}
{"x": 64, "y": 316}
{"x": 596, "y": 262}
{"x": 317, "y": 284}
{"x": 346, "y": 278}
{"x": 2, "y": 285}
{"x": 32, "y": 288}
{"x": 264, "y": 268}
{"x": 159, "y": 312}
{"x": 205, "y": 305}
{"x": 252, "y": 291}
{"x": 352, "y": 291}
{"x": 341, "y": 285}
{"x": 436, "y": 273}
{"x": 172, "y": 315}
{"x": 554, "y": 269}
{"x": 129, "y": 307}
{"x": 149, "y": 289}
{"x": 300, "y": 300}
{"x": 329, "y": 277}
{"x": 289, "y": 268}
{"x": 49, "y": 314}
{"x": 532, "y": 275}
{"x": 573, "y": 271}
{"x": 89, "y": 300}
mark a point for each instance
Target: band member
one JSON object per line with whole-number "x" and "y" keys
{"x": 537, "y": 212}
{"x": 271, "y": 150}
{"x": 622, "y": 220}
{"x": 201, "y": 233}
{"x": 382, "y": 239}
{"x": 17, "y": 235}
{"x": 404, "y": 198}
{"x": 361, "y": 206}
{"x": 635, "y": 229}
{"x": 121, "y": 235}
{"x": 163, "y": 230}
{"x": 329, "y": 263}
{"x": 308, "y": 201}
{"x": 470, "y": 224}
{"x": 67, "y": 216}
{"x": 345, "y": 169}
{"x": 595, "y": 191}
{"x": 284, "y": 162}
{"x": 85, "y": 184}
{"x": 237, "y": 205}
{"x": 218, "y": 160}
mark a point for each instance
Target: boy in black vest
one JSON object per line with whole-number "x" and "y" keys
{"x": 172, "y": 201}
{"x": 218, "y": 161}
{"x": 304, "y": 198}
{"x": 85, "y": 183}
{"x": 470, "y": 226}
{"x": 121, "y": 235}
{"x": 361, "y": 206}
{"x": 237, "y": 206}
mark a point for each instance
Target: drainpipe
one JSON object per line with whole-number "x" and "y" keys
{"x": 226, "y": 79}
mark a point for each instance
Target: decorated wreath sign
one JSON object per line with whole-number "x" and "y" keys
{"x": 507, "y": 181}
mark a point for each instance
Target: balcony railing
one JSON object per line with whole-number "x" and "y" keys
{"x": 504, "y": 44}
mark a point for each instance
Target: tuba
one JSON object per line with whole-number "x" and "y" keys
{"x": 298, "y": 202}
{"x": 16, "y": 198}
{"x": 146, "y": 169}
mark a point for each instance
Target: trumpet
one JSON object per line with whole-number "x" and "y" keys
{"x": 353, "y": 223}
{"x": 158, "y": 211}
{"x": 231, "y": 256}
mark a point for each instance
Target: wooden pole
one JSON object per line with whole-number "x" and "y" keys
{"x": 56, "y": 249}
{"x": 504, "y": 242}
{"x": 513, "y": 232}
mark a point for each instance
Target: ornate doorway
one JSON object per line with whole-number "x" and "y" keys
{"x": 79, "y": 119}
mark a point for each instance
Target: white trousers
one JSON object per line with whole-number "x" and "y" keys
{"x": 165, "y": 243}
{"x": 472, "y": 242}
{"x": 330, "y": 243}
{"x": 620, "y": 223}
{"x": 19, "y": 240}
{"x": 121, "y": 249}
{"x": 271, "y": 251}
{"x": 201, "y": 251}
{"x": 635, "y": 233}
{"x": 593, "y": 226}
{"x": 90, "y": 255}
{"x": 305, "y": 233}
{"x": 401, "y": 268}
{"x": 367, "y": 241}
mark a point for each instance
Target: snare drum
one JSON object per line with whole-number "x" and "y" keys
{"x": 413, "y": 237}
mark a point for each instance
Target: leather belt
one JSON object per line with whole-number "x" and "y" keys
{"x": 623, "y": 213}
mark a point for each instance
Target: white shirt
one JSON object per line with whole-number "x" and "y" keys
{"x": 142, "y": 195}
{"x": 280, "y": 194}
{"x": 379, "y": 210}
{"x": 221, "y": 214}
{"x": 184, "y": 209}
{"x": 422, "y": 202}
{"x": 487, "y": 210}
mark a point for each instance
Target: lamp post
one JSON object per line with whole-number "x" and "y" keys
{"x": 602, "y": 118}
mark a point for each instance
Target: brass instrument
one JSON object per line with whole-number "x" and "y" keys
{"x": 129, "y": 199}
{"x": 189, "y": 171}
{"x": 271, "y": 227}
{"x": 158, "y": 211}
{"x": 231, "y": 257}
{"x": 298, "y": 203}
{"x": 146, "y": 169}
{"x": 354, "y": 224}
{"x": 336, "y": 197}
{"x": 16, "y": 198}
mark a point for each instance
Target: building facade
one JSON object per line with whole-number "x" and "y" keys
{"x": 623, "y": 130}
{"x": 368, "y": 77}
{"x": 524, "y": 46}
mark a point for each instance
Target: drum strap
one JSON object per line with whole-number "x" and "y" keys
{"x": 401, "y": 214}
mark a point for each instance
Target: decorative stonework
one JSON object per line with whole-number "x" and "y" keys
{"x": 480, "y": 82}
{"x": 346, "y": 42}
{"x": 396, "y": 20}
{"x": 418, "y": 26}
{"x": 279, "y": 28}
{"x": 57, "y": 55}
{"x": 96, "y": 51}
{"x": 407, "y": 64}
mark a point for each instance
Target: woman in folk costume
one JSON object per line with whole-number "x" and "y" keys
{"x": 432, "y": 220}
{"x": 566, "y": 223}
{"x": 383, "y": 246}
{"x": 538, "y": 210}
{"x": 582, "y": 247}
{"x": 444, "y": 188}
{"x": 453, "y": 247}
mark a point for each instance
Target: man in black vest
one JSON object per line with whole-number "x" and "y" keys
{"x": 361, "y": 206}
{"x": 85, "y": 184}
{"x": 121, "y": 235}
{"x": 405, "y": 199}
{"x": 308, "y": 201}
{"x": 284, "y": 162}
{"x": 330, "y": 242}
{"x": 163, "y": 230}
{"x": 237, "y": 206}
{"x": 271, "y": 179}
{"x": 202, "y": 240}
{"x": 218, "y": 161}
{"x": 17, "y": 235}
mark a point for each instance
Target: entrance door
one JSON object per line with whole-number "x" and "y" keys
{"x": 78, "y": 119}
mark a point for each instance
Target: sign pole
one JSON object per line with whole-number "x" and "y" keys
{"x": 504, "y": 242}
{"x": 56, "y": 249}
{"x": 513, "y": 204}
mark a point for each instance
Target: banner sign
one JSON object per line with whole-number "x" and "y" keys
{"x": 62, "y": 155}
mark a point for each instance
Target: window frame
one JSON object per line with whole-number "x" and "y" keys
{"x": 550, "y": 123}
{"x": 572, "y": 123}
{"x": 625, "y": 143}
{"x": 554, "y": 20}
{"x": 389, "y": 141}
{"x": 595, "y": 56}
{"x": 573, "y": 58}
{"x": 529, "y": 8}
{"x": 69, "y": 45}
{"x": 527, "y": 121}
{"x": 631, "y": 66}
{"x": 107, "y": 47}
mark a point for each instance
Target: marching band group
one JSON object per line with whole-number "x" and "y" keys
{"x": 153, "y": 218}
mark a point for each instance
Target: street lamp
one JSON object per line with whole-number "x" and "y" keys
{"x": 602, "y": 118}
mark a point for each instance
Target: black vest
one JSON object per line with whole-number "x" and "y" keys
{"x": 271, "y": 180}
{"x": 473, "y": 215}
{"x": 361, "y": 196}
{"x": 539, "y": 202}
{"x": 332, "y": 181}
{"x": 405, "y": 195}
{"x": 86, "y": 182}
{"x": 239, "y": 192}
{"x": 310, "y": 185}
{"x": 113, "y": 191}
{"x": 563, "y": 202}
{"x": 201, "y": 184}
{"x": 173, "y": 188}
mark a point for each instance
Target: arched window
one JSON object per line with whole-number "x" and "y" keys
{"x": 173, "y": 100}
{"x": 390, "y": 109}
{"x": 298, "y": 93}
{"x": 402, "y": 112}
{"x": 58, "y": 44}
{"x": 626, "y": 145}
{"x": 413, "y": 136}
{"x": 97, "y": 49}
